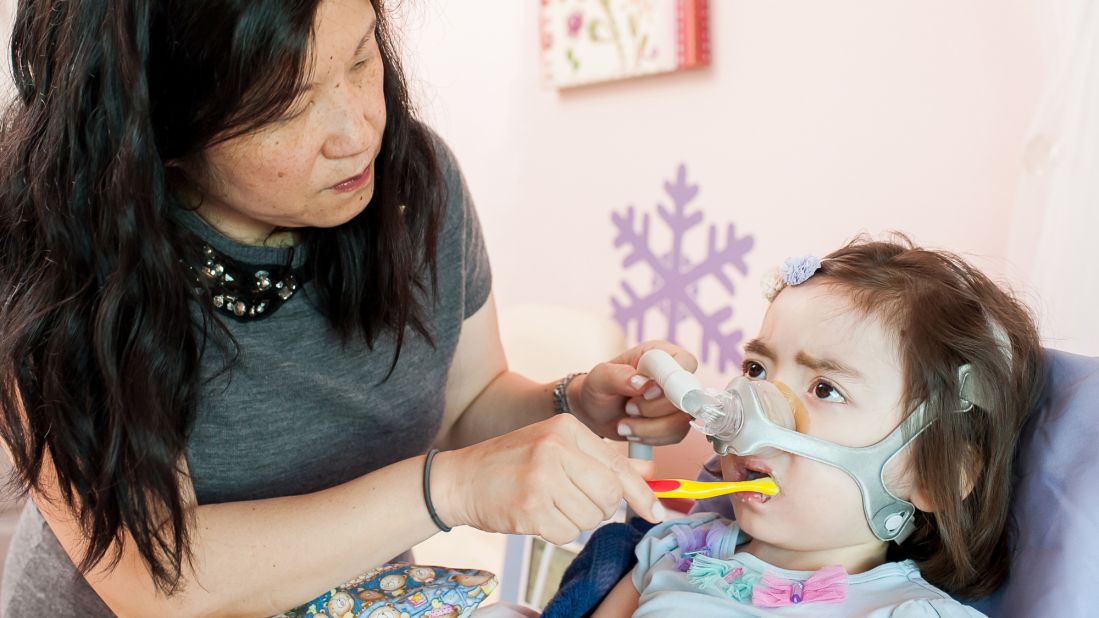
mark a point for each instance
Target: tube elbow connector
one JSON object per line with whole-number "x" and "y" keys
{"x": 680, "y": 386}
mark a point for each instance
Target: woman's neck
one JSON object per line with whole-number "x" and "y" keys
{"x": 855, "y": 558}
{"x": 235, "y": 225}
{"x": 243, "y": 229}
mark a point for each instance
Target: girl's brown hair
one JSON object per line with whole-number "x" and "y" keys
{"x": 946, "y": 313}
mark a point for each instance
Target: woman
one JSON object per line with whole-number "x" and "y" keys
{"x": 244, "y": 291}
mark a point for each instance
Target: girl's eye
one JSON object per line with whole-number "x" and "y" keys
{"x": 826, "y": 392}
{"x": 754, "y": 370}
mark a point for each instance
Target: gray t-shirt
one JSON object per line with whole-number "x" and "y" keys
{"x": 299, "y": 412}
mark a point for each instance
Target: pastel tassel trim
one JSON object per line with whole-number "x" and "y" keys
{"x": 715, "y": 575}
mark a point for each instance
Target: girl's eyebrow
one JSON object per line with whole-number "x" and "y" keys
{"x": 827, "y": 364}
{"x": 756, "y": 346}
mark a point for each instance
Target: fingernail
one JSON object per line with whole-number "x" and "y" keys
{"x": 624, "y": 429}
{"x": 653, "y": 392}
{"x": 638, "y": 381}
{"x": 632, "y": 409}
{"x": 659, "y": 512}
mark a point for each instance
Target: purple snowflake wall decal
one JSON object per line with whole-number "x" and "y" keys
{"x": 676, "y": 277}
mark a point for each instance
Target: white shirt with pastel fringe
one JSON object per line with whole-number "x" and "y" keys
{"x": 691, "y": 567}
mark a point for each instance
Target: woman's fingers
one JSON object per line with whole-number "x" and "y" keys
{"x": 682, "y": 356}
{"x": 658, "y": 431}
{"x": 637, "y": 494}
{"x": 599, "y": 486}
{"x": 554, "y": 479}
{"x": 640, "y": 407}
{"x": 618, "y": 380}
{"x": 559, "y": 529}
{"x": 634, "y": 489}
{"x": 656, "y": 422}
{"x": 579, "y": 510}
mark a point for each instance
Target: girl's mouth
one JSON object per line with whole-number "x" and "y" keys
{"x": 750, "y": 470}
{"x": 753, "y": 475}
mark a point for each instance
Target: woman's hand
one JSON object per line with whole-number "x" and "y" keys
{"x": 616, "y": 402}
{"x": 553, "y": 479}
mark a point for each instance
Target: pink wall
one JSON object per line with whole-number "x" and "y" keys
{"x": 816, "y": 121}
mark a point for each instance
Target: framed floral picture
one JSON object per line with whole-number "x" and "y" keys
{"x": 588, "y": 41}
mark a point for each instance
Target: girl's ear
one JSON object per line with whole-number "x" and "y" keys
{"x": 921, "y": 500}
{"x": 967, "y": 480}
{"x": 970, "y": 472}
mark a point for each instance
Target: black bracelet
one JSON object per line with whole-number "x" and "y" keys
{"x": 427, "y": 491}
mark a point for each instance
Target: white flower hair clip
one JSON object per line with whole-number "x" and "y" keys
{"x": 794, "y": 271}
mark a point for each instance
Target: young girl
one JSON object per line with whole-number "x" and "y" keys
{"x": 874, "y": 334}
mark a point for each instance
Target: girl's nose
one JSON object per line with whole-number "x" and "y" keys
{"x": 799, "y": 415}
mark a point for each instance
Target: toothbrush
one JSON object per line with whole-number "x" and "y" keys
{"x": 678, "y": 488}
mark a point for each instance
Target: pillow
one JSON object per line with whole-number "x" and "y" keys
{"x": 1055, "y": 562}
{"x": 402, "y": 590}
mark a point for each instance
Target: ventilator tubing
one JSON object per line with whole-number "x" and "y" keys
{"x": 717, "y": 413}
{"x": 680, "y": 386}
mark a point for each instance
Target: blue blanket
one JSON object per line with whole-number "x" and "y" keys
{"x": 583, "y": 586}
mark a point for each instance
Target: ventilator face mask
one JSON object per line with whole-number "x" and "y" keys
{"x": 750, "y": 417}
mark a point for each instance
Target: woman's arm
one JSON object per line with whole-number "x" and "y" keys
{"x": 262, "y": 557}
{"x": 484, "y": 399}
{"x": 621, "y": 601}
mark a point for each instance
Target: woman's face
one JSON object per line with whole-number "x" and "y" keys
{"x": 315, "y": 166}
{"x": 847, "y": 369}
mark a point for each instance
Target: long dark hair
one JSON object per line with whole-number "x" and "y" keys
{"x": 947, "y": 313}
{"x": 99, "y": 357}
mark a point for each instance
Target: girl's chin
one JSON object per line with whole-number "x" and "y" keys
{"x": 751, "y": 510}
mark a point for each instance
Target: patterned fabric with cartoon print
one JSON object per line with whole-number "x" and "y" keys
{"x": 402, "y": 590}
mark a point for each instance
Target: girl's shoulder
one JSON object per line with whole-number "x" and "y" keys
{"x": 695, "y": 524}
{"x": 693, "y": 520}
{"x": 934, "y": 608}
{"x": 901, "y": 587}
{"x": 681, "y": 537}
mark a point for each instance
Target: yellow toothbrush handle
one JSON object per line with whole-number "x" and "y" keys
{"x": 697, "y": 489}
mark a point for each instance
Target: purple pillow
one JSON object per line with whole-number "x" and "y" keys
{"x": 1055, "y": 566}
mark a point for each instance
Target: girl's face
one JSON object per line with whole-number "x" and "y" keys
{"x": 314, "y": 167}
{"x": 846, "y": 368}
